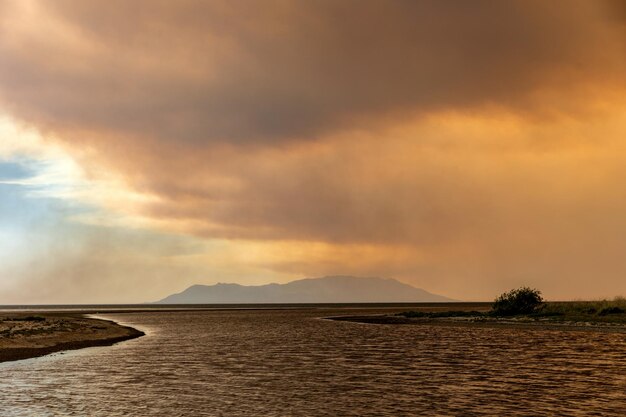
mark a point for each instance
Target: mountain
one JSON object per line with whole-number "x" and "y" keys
{"x": 334, "y": 289}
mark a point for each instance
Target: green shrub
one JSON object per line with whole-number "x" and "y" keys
{"x": 522, "y": 300}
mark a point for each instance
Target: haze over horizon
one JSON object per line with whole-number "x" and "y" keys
{"x": 465, "y": 148}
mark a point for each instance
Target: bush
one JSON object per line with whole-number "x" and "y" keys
{"x": 519, "y": 301}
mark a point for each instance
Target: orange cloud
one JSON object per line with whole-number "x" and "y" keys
{"x": 465, "y": 148}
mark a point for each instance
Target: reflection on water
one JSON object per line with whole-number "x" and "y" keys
{"x": 288, "y": 363}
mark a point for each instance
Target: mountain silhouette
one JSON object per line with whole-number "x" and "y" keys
{"x": 331, "y": 289}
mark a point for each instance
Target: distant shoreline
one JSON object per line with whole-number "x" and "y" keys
{"x": 161, "y": 308}
{"x": 509, "y": 323}
{"x": 31, "y": 335}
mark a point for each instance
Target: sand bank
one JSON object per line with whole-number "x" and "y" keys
{"x": 28, "y": 335}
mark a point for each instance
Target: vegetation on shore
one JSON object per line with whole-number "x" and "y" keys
{"x": 607, "y": 311}
{"x": 527, "y": 304}
{"x": 522, "y": 300}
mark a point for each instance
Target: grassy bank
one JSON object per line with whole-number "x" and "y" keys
{"x": 602, "y": 311}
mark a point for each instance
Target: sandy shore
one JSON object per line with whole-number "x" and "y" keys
{"x": 28, "y": 335}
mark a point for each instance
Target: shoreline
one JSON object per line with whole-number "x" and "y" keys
{"x": 25, "y": 336}
{"x": 496, "y": 323}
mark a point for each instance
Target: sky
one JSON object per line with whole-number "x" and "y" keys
{"x": 466, "y": 148}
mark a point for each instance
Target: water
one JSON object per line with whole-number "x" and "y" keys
{"x": 290, "y": 363}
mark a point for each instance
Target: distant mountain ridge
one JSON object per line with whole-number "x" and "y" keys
{"x": 330, "y": 289}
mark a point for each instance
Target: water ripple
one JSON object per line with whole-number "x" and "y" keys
{"x": 289, "y": 363}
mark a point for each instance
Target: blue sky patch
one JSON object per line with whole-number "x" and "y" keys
{"x": 14, "y": 171}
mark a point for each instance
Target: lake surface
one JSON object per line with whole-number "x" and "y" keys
{"x": 291, "y": 363}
